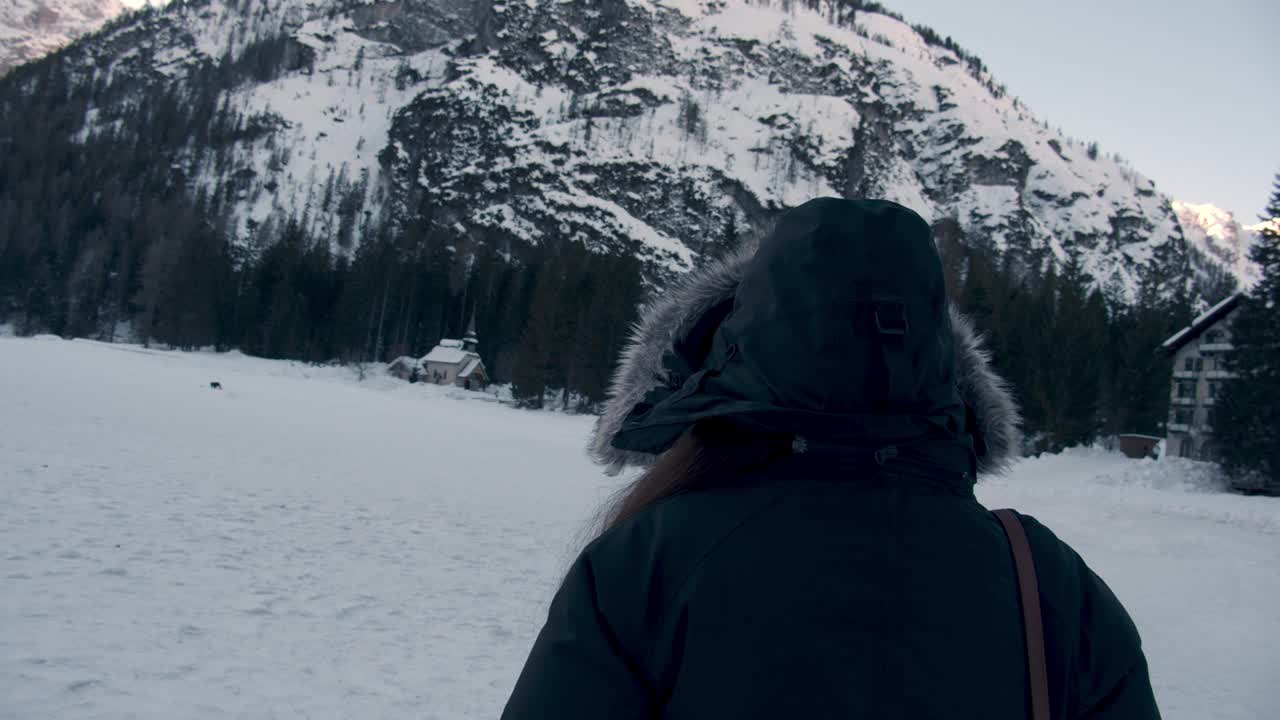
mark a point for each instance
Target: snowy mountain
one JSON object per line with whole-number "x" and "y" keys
{"x": 1217, "y": 235}
{"x": 662, "y": 128}
{"x": 31, "y": 29}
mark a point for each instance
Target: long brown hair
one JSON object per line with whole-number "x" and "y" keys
{"x": 708, "y": 453}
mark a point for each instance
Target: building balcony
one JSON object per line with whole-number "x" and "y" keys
{"x": 1178, "y": 427}
{"x": 1219, "y": 375}
{"x": 1184, "y": 401}
{"x": 1217, "y": 347}
{"x": 1185, "y": 374}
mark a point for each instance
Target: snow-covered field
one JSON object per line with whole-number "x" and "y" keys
{"x": 301, "y": 544}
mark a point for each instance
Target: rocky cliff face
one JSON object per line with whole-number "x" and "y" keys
{"x": 663, "y": 128}
{"x": 1217, "y": 236}
{"x": 31, "y": 29}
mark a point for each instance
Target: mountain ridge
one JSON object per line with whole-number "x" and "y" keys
{"x": 1216, "y": 233}
{"x": 651, "y": 127}
{"x": 31, "y": 29}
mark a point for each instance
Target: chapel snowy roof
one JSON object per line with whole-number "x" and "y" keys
{"x": 1202, "y": 323}
{"x": 447, "y": 354}
{"x": 470, "y": 368}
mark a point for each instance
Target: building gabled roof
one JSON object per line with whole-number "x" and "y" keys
{"x": 1202, "y": 323}
{"x": 448, "y": 355}
{"x": 470, "y": 368}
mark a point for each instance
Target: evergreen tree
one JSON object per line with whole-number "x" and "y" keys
{"x": 1031, "y": 351}
{"x": 1247, "y": 412}
{"x": 533, "y": 365}
{"x": 549, "y": 354}
{"x": 607, "y": 322}
{"x": 1137, "y": 386}
{"x": 977, "y": 295}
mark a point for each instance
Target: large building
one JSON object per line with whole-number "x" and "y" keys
{"x": 1198, "y": 371}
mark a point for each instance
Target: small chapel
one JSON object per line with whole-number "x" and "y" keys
{"x": 456, "y": 362}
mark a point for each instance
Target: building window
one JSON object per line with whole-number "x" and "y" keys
{"x": 1189, "y": 364}
{"x": 1213, "y": 389}
{"x": 1186, "y": 388}
{"x": 1199, "y": 364}
{"x": 1208, "y": 417}
{"x": 1213, "y": 337}
{"x": 1182, "y": 416}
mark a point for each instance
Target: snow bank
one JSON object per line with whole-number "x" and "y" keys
{"x": 305, "y": 544}
{"x": 1193, "y": 566}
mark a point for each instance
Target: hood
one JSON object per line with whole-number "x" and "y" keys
{"x": 835, "y": 327}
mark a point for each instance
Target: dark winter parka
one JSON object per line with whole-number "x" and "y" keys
{"x": 857, "y": 577}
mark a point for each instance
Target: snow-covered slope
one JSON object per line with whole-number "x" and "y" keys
{"x": 1217, "y": 234}
{"x": 300, "y": 544}
{"x": 642, "y": 126}
{"x": 31, "y": 29}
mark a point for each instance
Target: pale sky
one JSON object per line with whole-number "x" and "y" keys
{"x": 1186, "y": 91}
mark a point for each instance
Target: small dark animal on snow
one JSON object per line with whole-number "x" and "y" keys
{"x": 215, "y": 385}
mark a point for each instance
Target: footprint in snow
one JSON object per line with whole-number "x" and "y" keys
{"x": 83, "y": 685}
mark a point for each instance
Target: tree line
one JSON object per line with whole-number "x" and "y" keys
{"x": 1248, "y": 407}
{"x": 1082, "y": 366}
{"x": 101, "y": 236}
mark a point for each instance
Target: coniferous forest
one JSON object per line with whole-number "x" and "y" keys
{"x": 101, "y": 237}
{"x": 1248, "y": 411}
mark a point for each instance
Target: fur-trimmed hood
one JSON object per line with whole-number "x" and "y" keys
{"x": 707, "y": 295}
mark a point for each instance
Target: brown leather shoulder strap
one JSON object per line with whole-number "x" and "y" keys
{"x": 1033, "y": 627}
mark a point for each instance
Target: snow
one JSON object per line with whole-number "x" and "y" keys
{"x": 1216, "y": 222}
{"x": 1272, "y": 226}
{"x": 975, "y": 124}
{"x": 470, "y": 367}
{"x": 676, "y": 254}
{"x": 782, "y": 142}
{"x": 1198, "y": 570}
{"x": 342, "y": 111}
{"x": 302, "y": 543}
{"x": 1203, "y": 317}
{"x": 297, "y": 544}
{"x": 1216, "y": 233}
{"x": 31, "y": 29}
{"x": 447, "y": 355}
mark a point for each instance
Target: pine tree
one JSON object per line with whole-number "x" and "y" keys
{"x": 976, "y": 294}
{"x": 1137, "y": 385}
{"x": 606, "y": 321}
{"x": 1247, "y": 412}
{"x": 1073, "y": 383}
{"x": 535, "y": 356}
{"x": 1031, "y": 350}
